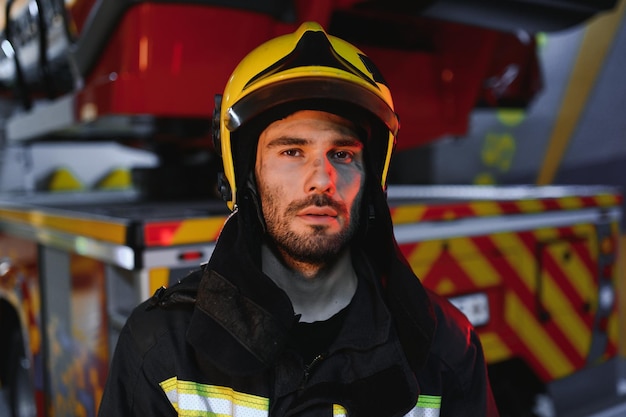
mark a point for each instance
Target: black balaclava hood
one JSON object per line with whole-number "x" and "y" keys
{"x": 405, "y": 297}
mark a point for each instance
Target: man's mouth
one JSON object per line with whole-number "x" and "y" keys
{"x": 316, "y": 211}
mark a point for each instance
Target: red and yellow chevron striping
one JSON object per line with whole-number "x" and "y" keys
{"x": 181, "y": 232}
{"x": 410, "y": 213}
{"x": 542, "y": 286}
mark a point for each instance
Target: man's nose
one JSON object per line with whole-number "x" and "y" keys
{"x": 322, "y": 177}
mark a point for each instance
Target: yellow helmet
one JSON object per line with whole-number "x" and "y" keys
{"x": 307, "y": 69}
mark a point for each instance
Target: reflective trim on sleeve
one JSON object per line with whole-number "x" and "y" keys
{"x": 191, "y": 399}
{"x": 427, "y": 406}
{"x": 339, "y": 411}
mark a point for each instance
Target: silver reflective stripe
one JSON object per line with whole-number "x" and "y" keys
{"x": 427, "y": 406}
{"x": 193, "y": 399}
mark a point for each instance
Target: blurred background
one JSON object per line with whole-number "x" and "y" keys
{"x": 506, "y": 187}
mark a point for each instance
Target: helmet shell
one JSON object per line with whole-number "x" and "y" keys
{"x": 298, "y": 68}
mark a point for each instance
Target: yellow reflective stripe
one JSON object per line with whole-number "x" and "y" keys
{"x": 427, "y": 406}
{"x": 429, "y": 401}
{"x": 193, "y": 399}
{"x": 339, "y": 411}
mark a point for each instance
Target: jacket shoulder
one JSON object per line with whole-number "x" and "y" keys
{"x": 146, "y": 352}
{"x": 164, "y": 312}
{"x": 454, "y": 334}
{"x": 459, "y": 352}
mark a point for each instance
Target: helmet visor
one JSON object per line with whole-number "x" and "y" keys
{"x": 292, "y": 91}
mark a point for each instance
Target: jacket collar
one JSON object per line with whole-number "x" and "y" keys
{"x": 239, "y": 306}
{"x": 251, "y": 316}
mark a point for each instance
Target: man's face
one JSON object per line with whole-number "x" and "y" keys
{"x": 309, "y": 172}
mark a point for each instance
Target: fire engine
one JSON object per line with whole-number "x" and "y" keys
{"x": 533, "y": 268}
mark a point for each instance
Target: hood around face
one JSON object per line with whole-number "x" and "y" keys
{"x": 238, "y": 250}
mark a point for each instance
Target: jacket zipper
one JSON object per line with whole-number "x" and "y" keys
{"x": 308, "y": 368}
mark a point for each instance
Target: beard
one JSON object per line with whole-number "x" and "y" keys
{"x": 315, "y": 247}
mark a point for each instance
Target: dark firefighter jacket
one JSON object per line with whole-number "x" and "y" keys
{"x": 215, "y": 344}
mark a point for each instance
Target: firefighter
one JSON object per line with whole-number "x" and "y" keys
{"x": 306, "y": 306}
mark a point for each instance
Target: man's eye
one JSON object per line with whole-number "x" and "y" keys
{"x": 343, "y": 156}
{"x": 291, "y": 152}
